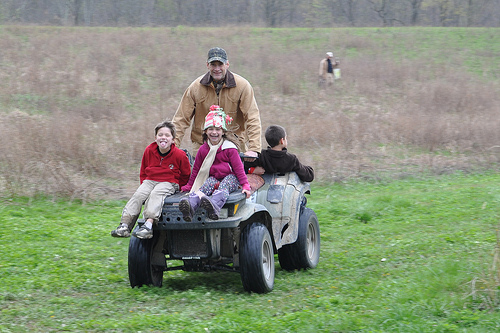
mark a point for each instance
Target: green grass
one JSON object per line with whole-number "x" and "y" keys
{"x": 474, "y": 49}
{"x": 395, "y": 257}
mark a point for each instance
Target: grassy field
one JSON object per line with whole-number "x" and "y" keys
{"x": 410, "y": 100}
{"x": 411, "y": 255}
{"x": 405, "y": 149}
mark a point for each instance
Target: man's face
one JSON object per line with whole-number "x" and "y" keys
{"x": 217, "y": 70}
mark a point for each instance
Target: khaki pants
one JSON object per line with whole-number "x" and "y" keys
{"x": 326, "y": 79}
{"x": 152, "y": 194}
{"x": 329, "y": 78}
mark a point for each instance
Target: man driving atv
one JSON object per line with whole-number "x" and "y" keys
{"x": 230, "y": 91}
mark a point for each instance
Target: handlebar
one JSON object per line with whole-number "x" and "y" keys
{"x": 243, "y": 156}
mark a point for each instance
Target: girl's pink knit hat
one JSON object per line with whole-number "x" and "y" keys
{"x": 217, "y": 118}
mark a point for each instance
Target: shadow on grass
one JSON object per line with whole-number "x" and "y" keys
{"x": 216, "y": 281}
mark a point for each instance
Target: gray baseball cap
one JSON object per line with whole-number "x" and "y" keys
{"x": 217, "y": 54}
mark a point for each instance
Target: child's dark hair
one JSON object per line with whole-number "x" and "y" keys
{"x": 167, "y": 124}
{"x": 274, "y": 134}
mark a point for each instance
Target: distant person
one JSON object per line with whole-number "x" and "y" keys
{"x": 231, "y": 92}
{"x": 326, "y": 69}
{"x": 277, "y": 159}
{"x": 217, "y": 170}
{"x": 164, "y": 169}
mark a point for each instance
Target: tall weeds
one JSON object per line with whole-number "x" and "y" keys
{"x": 485, "y": 289}
{"x": 79, "y": 104}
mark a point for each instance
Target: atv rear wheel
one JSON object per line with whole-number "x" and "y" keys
{"x": 304, "y": 253}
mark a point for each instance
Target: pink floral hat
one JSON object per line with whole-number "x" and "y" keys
{"x": 217, "y": 118}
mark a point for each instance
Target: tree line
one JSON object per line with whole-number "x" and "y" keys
{"x": 268, "y": 13}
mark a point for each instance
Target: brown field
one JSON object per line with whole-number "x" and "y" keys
{"x": 79, "y": 104}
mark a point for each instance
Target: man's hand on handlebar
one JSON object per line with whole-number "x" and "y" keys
{"x": 250, "y": 156}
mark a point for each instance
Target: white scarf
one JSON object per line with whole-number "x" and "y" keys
{"x": 205, "y": 166}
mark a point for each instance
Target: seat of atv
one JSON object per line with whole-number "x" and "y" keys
{"x": 235, "y": 196}
{"x": 172, "y": 218}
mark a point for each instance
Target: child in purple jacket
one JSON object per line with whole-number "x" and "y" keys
{"x": 217, "y": 170}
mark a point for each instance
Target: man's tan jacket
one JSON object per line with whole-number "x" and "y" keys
{"x": 323, "y": 66}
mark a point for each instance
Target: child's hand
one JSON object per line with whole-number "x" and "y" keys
{"x": 247, "y": 192}
{"x": 258, "y": 170}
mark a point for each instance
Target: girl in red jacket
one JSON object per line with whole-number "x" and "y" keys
{"x": 217, "y": 169}
{"x": 164, "y": 169}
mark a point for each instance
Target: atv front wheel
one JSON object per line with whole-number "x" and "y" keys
{"x": 256, "y": 259}
{"x": 140, "y": 270}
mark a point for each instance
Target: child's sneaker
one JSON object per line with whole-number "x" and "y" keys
{"x": 212, "y": 211}
{"x": 143, "y": 232}
{"x": 188, "y": 206}
{"x": 186, "y": 209}
{"x": 214, "y": 204}
{"x": 121, "y": 231}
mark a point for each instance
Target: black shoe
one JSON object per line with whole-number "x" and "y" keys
{"x": 121, "y": 231}
{"x": 143, "y": 232}
{"x": 212, "y": 213}
{"x": 186, "y": 209}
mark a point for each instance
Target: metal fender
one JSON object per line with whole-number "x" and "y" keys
{"x": 249, "y": 209}
{"x": 252, "y": 212}
{"x": 294, "y": 193}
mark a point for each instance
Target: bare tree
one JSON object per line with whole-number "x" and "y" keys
{"x": 443, "y": 6}
{"x": 382, "y": 8}
{"x": 77, "y": 8}
{"x": 348, "y": 7}
{"x": 342, "y": 10}
{"x": 415, "y": 10}
{"x": 271, "y": 11}
{"x": 475, "y": 8}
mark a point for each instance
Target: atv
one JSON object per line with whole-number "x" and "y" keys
{"x": 245, "y": 238}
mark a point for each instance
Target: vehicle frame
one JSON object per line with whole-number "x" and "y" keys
{"x": 245, "y": 238}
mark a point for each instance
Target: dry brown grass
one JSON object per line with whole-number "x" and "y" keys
{"x": 79, "y": 105}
